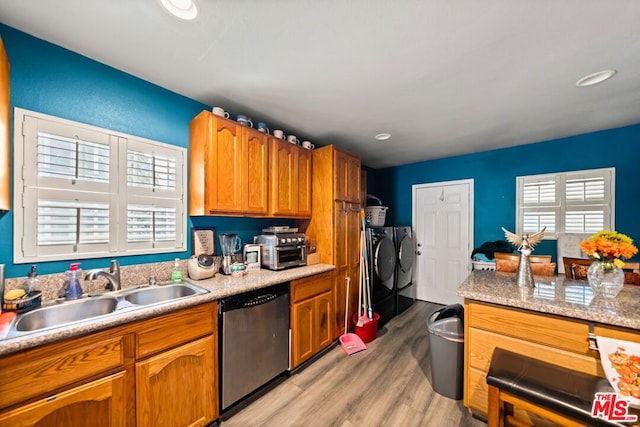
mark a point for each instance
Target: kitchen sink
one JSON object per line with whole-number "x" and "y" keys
{"x": 158, "y": 294}
{"x": 68, "y": 312}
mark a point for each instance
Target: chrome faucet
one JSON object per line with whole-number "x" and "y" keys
{"x": 113, "y": 276}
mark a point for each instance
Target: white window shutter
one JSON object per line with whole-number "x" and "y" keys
{"x": 569, "y": 202}
{"x": 84, "y": 192}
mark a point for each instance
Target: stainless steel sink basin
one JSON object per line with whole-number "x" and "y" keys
{"x": 68, "y": 312}
{"x": 158, "y": 294}
{"x": 64, "y": 313}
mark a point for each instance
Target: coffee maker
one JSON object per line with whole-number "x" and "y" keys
{"x": 230, "y": 244}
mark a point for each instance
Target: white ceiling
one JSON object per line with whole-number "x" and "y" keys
{"x": 444, "y": 77}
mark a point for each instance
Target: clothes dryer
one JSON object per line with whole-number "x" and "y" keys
{"x": 405, "y": 291}
{"x": 382, "y": 269}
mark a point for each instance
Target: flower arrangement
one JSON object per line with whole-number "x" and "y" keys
{"x": 609, "y": 246}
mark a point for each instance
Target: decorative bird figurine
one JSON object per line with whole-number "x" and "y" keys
{"x": 525, "y": 245}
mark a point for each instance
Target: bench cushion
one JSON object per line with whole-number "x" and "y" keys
{"x": 559, "y": 389}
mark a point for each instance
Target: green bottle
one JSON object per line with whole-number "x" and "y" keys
{"x": 176, "y": 273}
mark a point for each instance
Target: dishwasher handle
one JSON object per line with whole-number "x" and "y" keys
{"x": 253, "y": 298}
{"x": 260, "y": 299}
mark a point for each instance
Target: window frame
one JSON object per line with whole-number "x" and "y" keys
{"x": 29, "y": 188}
{"x": 561, "y": 206}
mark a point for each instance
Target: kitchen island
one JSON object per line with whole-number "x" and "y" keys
{"x": 556, "y": 321}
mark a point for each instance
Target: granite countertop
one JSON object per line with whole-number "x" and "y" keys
{"x": 554, "y": 295}
{"x": 219, "y": 286}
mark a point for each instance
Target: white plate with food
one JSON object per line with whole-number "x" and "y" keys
{"x": 621, "y": 364}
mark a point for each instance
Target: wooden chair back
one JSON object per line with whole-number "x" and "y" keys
{"x": 516, "y": 257}
{"x": 633, "y": 267}
{"x": 541, "y": 265}
{"x": 567, "y": 261}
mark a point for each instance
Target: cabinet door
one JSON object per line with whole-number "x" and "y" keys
{"x": 99, "y": 403}
{"x": 258, "y": 167}
{"x": 353, "y": 179}
{"x": 341, "y": 261}
{"x": 284, "y": 178}
{"x": 340, "y": 175}
{"x": 4, "y": 129}
{"x": 302, "y": 331}
{"x": 322, "y": 316}
{"x": 346, "y": 184}
{"x": 304, "y": 183}
{"x": 225, "y": 176}
{"x": 178, "y": 387}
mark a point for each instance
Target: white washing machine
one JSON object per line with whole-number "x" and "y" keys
{"x": 382, "y": 271}
{"x": 405, "y": 291}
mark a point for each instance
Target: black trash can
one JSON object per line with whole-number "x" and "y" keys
{"x": 446, "y": 342}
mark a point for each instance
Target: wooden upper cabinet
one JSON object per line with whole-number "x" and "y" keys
{"x": 347, "y": 177}
{"x": 4, "y": 129}
{"x": 227, "y": 167}
{"x": 304, "y": 182}
{"x": 258, "y": 171}
{"x": 284, "y": 178}
{"x": 290, "y": 180}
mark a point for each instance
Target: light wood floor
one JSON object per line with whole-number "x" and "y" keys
{"x": 386, "y": 385}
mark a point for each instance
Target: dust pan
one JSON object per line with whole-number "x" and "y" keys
{"x": 351, "y": 343}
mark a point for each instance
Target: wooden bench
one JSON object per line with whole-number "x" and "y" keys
{"x": 558, "y": 394}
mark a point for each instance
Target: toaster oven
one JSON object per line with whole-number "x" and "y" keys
{"x": 280, "y": 250}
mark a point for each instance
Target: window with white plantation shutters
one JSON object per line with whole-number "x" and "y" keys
{"x": 150, "y": 171}
{"x": 569, "y": 202}
{"x": 72, "y": 223}
{"x": 150, "y": 224}
{"x": 83, "y": 192}
{"x": 71, "y": 158}
{"x": 540, "y": 202}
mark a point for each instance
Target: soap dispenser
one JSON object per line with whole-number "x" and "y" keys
{"x": 73, "y": 289}
{"x": 176, "y": 273}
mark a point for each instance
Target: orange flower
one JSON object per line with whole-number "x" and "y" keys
{"x": 609, "y": 246}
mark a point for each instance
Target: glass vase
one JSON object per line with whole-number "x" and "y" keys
{"x": 605, "y": 278}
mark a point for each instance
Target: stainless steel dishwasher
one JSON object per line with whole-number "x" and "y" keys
{"x": 254, "y": 341}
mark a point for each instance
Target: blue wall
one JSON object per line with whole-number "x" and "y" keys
{"x": 494, "y": 173}
{"x": 49, "y": 79}
{"x": 52, "y": 80}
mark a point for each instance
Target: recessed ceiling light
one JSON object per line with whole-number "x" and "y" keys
{"x": 183, "y": 9}
{"x": 595, "y": 78}
{"x": 382, "y": 136}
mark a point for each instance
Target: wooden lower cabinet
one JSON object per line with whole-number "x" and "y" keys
{"x": 177, "y": 387}
{"x": 311, "y": 314}
{"x": 555, "y": 339}
{"x": 176, "y": 368}
{"x": 102, "y": 402}
{"x": 156, "y": 372}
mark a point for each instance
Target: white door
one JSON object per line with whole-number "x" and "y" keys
{"x": 443, "y": 223}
